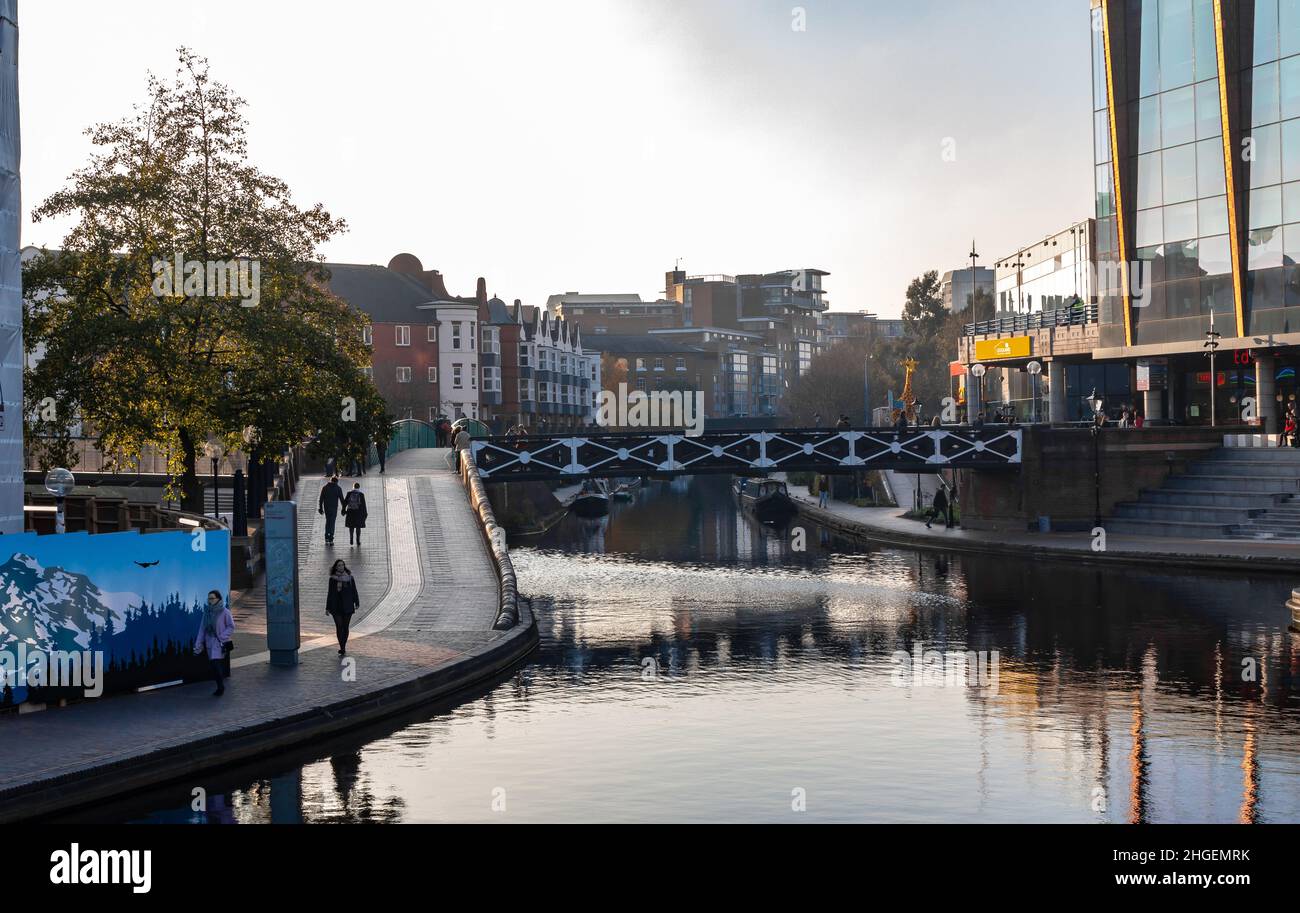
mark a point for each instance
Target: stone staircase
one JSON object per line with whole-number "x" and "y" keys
{"x": 1234, "y": 493}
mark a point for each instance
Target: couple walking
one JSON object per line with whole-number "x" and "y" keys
{"x": 354, "y": 509}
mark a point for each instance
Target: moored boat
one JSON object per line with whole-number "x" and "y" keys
{"x": 592, "y": 500}
{"x": 767, "y": 500}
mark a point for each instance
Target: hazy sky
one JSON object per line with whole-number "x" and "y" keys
{"x": 585, "y": 146}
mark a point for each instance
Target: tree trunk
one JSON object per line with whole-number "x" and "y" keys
{"x": 191, "y": 490}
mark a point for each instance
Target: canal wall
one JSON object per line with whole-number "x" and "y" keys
{"x": 1057, "y": 475}
{"x": 444, "y": 596}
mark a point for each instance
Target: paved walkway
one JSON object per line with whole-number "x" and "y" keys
{"x": 429, "y": 599}
{"x": 887, "y": 525}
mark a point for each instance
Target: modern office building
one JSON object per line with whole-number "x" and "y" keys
{"x": 1047, "y": 274}
{"x": 957, "y": 286}
{"x": 1197, "y": 173}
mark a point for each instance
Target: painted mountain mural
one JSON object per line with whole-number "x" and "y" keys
{"x": 50, "y": 601}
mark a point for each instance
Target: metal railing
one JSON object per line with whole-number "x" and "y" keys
{"x": 1038, "y": 320}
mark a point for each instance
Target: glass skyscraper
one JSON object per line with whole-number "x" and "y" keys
{"x": 1196, "y": 131}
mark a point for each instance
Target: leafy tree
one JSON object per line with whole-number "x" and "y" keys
{"x": 923, "y": 312}
{"x": 141, "y": 368}
{"x": 833, "y": 384}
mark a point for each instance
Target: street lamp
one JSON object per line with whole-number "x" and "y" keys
{"x": 1034, "y": 369}
{"x": 59, "y": 482}
{"x": 214, "y": 451}
{"x": 1211, "y": 344}
{"x": 977, "y": 371}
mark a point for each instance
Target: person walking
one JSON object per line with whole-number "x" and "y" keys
{"x": 381, "y": 448}
{"x": 216, "y": 627}
{"x": 817, "y": 419}
{"x": 461, "y": 445}
{"x": 331, "y": 496}
{"x": 1289, "y": 427}
{"x": 900, "y": 424}
{"x": 824, "y": 492}
{"x": 342, "y": 601}
{"x": 939, "y": 509}
{"x": 354, "y": 513}
{"x": 843, "y": 423}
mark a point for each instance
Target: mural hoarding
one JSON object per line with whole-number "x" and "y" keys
{"x": 124, "y": 608}
{"x": 11, "y": 311}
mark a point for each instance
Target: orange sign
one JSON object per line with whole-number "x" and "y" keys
{"x": 1011, "y": 347}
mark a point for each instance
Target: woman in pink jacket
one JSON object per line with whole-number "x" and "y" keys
{"x": 215, "y": 631}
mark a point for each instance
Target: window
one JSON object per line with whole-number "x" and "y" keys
{"x": 369, "y": 372}
{"x": 433, "y": 334}
{"x": 368, "y": 335}
{"x": 403, "y": 375}
{"x": 433, "y": 375}
{"x": 456, "y": 379}
{"x": 640, "y": 364}
{"x": 525, "y": 389}
{"x": 523, "y": 355}
{"x": 433, "y": 413}
{"x": 659, "y": 364}
{"x": 455, "y": 334}
{"x": 681, "y": 364}
{"x": 471, "y": 334}
{"x": 403, "y": 335}
{"x": 473, "y": 377}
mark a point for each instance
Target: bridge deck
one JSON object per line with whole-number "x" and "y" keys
{"x": 606, "y": 454}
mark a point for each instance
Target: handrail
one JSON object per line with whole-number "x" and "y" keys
{"x": 495, "y": 538}
{"x": 1038, "y": 320}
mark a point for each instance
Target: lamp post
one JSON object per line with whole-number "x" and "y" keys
{"x": 1211, "y": 344}
{"x": 977, "y": 371}
{"x": 59, "y": 482}
{"x": 214, "y": 452}
{"x": 1034, "y": 369}
{"x": 1097, "y": 405}
{"x": 973, "y": 255}
{"x": 256, "y": 480}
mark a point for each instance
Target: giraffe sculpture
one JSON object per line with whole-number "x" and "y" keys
{"x": 907, "y": 399}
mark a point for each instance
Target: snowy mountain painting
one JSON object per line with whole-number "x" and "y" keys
{"x": 138, "y": 598}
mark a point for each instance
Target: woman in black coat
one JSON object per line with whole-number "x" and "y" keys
{"x": 342, "y": 600}
{"x": 354, "y": 513}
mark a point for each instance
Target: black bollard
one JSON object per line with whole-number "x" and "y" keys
{"x": 241, "y": 505}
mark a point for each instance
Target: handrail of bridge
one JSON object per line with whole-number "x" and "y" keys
{"x": 1039, "y": 320}
{"x": 494, "y": 536}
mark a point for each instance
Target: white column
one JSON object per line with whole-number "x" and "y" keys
{"x": 1266, "y": 393}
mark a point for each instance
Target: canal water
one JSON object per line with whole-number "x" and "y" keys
{"x": 696, "y": 667}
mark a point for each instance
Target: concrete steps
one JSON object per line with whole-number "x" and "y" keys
{"x": 1230, "y": 493}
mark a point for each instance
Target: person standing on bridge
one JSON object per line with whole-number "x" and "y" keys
{"x": 342, "y": 601}
{"x": 331, "y": 496}
{"x": 462, "y": 444}
{"x": 843, "y": 423}
{"x": 354, "y": 513}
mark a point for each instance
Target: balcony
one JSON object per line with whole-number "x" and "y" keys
{"x": 1039, "y": 320}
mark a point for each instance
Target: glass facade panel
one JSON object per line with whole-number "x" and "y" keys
{"x": 1215, "y": 256}
{"x": 1291, "y": 247}
{"x": 1149, "y": 187}
{"x": 1207, "y": 64}
{"x": 1212, "y": 218}
{"x": 1263, "y": 89}
{"x": 1176, "y": 47}
{"x": 1180, "y": 222}
{"x": 1289, "y": 86}
{"x": 1101, "y": 137}
{"x": 1266, "y": 43}
{"x": 1291, "y": 150}
{"x": 1105, "y": 191}
{"x": 1264, "y": 248}
{"x": 1178, "y": 117}
{"x": 1209, "y": 114}
{"x": 1180, "y": 174}
{"x": 1288, "y": 27}
{"x": 1210, "y": 181}
{"x": 1265, "y": 208}
{"x": 1150, "y": 227}
{"x": 1149, "y": 60}
{"x": 1266, "y": 168}
{"x": 1098, "y": 68}
{"x": 1291, "y": 203}
{"x": 1148, "y": 125}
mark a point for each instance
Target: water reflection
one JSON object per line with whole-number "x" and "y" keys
{"x": 695, "y": 667}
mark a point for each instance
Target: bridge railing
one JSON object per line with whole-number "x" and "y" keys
{"x": 609, "y": 454}
{"x": 494, "y": 537}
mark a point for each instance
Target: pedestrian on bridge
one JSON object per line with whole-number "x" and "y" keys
{"x": 331, "y": 496}
{"x": 342, "y": 601}
{"x": 354, "y": 513}
{"x": 843, "y": 423}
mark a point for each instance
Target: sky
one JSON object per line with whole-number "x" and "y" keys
{"x": 587, "y": 146}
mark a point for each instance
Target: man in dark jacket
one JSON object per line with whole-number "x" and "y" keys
{"x": 331, "y": 495}
{"x": 354, "y": 513}
{"x": 939, "y": 509}
{"x": 843, "y": 423}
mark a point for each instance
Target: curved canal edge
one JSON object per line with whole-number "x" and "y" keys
{"x": 883, "y": 526}
{"x": 202, "y": 756}
{"x": 450, "y": 619}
